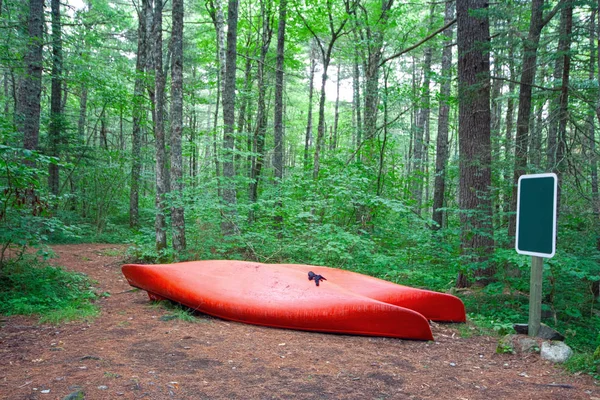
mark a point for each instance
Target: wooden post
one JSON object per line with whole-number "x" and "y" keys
{"x": 535, "y": 295}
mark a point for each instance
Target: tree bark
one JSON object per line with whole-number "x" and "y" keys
{"x": 334, "y": 141}
{"x": 54, "y": 129}
{"x": 216, "y": 13}
{"x": 356, "y": 102}
{"x": 278, "y": 117}
{"x": 28, "y": 104}
{"x": 159, "y": 130}
{"x": 473, "y": 39}
{"x": 566, "y": 18}
{"x": 177, "y": 208}
{"x": 138, "y": 112}
{"x": 594, "y": 160}
{"x": 228, "y": 224}
{"x": 443, "y": 119}
{"x": 422, "y": 126}
{"x": 309, "y": 122}
{"x": 261, "y": 117}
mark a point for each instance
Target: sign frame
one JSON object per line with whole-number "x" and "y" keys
{"x": 554, "y": 207}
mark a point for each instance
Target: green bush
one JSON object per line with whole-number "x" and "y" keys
{"x": 30, "y": 288}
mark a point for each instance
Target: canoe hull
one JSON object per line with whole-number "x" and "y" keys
{"x": 432, "y": 305}
{"x": 281, "y": 296}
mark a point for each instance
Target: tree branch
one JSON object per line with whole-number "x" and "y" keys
{"x": 414, "y": 46}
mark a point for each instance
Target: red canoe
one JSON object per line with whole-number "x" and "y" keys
{"x": 282, "y": 296}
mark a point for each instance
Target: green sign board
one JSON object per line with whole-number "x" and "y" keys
{"x": 536, "y": 215}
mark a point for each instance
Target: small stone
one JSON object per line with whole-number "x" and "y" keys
{"x": 453, "y": 364}
{"x": 45, "y": 391}
{"x": 557, "y": 352}
{"x": 524, "y": 375}
{"x": 76, "y": 395}
{"x": 103, "y": 387}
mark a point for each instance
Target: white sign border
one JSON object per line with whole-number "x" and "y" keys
{"x": 533, "y": 176}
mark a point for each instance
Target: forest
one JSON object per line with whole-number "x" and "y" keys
{"x": 380, "y": 136}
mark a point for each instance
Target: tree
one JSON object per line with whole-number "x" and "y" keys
{"x": 308, "y": 136}
{"x": 229, "y": 197}
{"x": 56, "y": 117}
{"x": 374, "y": 40}
{"x": 566, "y": 25}
{"x": 144, "y": 13}
{"x": 278, "y": 117}
{"x": 261, "y": 112}
{"x": 473, "y": 39}
{"x": 443, "y": 117}
{"x": 177, "y": 209}
{"x": 28, "y": 101}
{"x": 158, "y": 100}
{"x": 421, "y": 141}
{"x": 334, "y": 32}
{"x": 529, "y": 65}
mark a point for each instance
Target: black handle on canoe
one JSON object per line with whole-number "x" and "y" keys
{"x": 315, "y": 277}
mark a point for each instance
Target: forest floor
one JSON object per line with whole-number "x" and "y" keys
{"x": 130, "y": 352}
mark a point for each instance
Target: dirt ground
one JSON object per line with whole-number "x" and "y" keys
{"x": 129, "y": 352}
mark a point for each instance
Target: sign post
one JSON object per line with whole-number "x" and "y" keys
{"x": 536, "y": 233}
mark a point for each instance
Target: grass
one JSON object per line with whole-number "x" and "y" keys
{"x": 29, "y": 287}
{"x": 177, "y": 311}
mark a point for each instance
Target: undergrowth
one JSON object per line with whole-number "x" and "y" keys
{"x": 178, "y": 312}
{"x": 29, "y": 287}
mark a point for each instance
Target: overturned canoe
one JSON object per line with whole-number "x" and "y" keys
{"x": 282, "y": 296}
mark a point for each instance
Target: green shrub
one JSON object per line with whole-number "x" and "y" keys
{"x": 30, "y": 288}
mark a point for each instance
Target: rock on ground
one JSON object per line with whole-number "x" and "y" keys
{"x": 557, "y": 352}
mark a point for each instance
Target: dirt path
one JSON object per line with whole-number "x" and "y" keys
{"x": 128, "y": 352}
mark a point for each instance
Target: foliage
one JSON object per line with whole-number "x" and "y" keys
{"x": 29, "y": 287}
{"x": 26, "y": 217}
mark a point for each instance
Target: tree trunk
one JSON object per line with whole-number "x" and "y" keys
{"x": 309, "y": 122}
{"x": 321, "y": 124}
{"x": 54, "y": 128}
{"x": 28, "y": 104}
{"x": 554, "y": 113}
{"x": 228, "y": 224}
{"x": 159, "y": 130}
{"x": 261, "y": 117}
{"x": 508, "y": 138}
{"x": 278, "y": 117}
{"x": 422, "y": 125}
{"x": 334, "y": 35}
{"x": 82, "y": 121}
{"x": 443, "y": 119}
{"x": 566, "y": 22}
{"x": 138, "y": 112}
{"x": 371, "y": 70}
{"x": 356, "y": 103}
{"x": 177, "y": 209}
{"x": 216, "y": 13}
{"x": 529, "y": 66}
{"x": 333, "y": 144}
{"x": 474, "y": 138}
